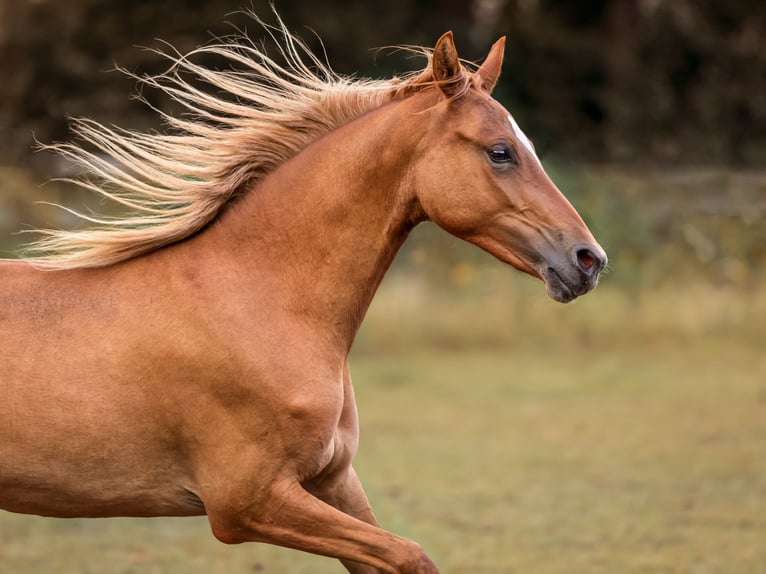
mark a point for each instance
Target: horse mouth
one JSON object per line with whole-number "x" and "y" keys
{"x": 558, "y": 289}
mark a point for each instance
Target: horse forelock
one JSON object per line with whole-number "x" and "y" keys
{"x": 252, "y": 117}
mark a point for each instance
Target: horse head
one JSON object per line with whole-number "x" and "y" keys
{"x": 479, "y": 178}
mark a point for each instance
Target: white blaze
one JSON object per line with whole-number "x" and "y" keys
{"x": 522, "y": 137}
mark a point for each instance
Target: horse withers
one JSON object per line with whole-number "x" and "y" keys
{"x": 192, "y": 358}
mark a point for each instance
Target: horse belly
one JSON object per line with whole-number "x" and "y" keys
{"x": 88, "y": 425}
{"x": 99, "y": 500}
{"x": 73, "y": 447}
{"x": 66, "y": 475}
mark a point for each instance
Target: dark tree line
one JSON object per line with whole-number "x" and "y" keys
{"x": 679, "y": 81}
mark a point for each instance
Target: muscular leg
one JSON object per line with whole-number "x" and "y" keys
{"x": 294, "y": 518}
{"x": 326, "y": 514}
{"x": 346, "y": 494}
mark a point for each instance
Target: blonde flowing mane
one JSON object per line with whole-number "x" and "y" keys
{"x": 176, "y": 183}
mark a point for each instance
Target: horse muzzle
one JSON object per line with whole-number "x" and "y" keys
{"x": 579, "y": 274}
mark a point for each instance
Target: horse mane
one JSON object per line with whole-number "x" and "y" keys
{"x": 176, "y": 183}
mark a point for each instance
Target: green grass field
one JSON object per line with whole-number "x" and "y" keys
{"x": 568, "y": 451}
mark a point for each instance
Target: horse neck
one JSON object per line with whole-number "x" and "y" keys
{"x": 323, "y": 228}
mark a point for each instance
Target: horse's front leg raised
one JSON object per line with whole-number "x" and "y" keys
{"x": 290, "y": 516}
{"x": 343, "y": 490}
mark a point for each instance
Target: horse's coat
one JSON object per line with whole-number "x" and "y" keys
{"x": 202, "y": 367}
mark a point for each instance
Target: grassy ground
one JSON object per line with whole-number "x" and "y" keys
{"x": 581, "y": 455}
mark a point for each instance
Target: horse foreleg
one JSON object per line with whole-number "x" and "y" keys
{"x": 294, "y": 518}
{"x": 345, "y": 492}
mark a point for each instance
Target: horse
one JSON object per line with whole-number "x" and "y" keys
{"x": 190, "y": 357}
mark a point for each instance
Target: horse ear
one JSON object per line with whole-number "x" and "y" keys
{"x": 445, "y": 65}
{"x": 489, "y": 71}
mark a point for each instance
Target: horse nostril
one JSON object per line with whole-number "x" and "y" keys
{"x": 587, "y": 261}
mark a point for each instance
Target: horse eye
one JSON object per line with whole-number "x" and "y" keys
{"x": 500, "y": 153}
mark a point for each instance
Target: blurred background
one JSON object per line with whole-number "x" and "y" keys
{"x": 625, "y": 432}
{"x": 650, "y": 114}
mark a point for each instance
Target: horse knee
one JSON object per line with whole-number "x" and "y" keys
{"x": 416, "y": 562}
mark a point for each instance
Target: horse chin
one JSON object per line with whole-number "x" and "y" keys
{"x": 563, "y": 288}
{"x": 557, "y": 288}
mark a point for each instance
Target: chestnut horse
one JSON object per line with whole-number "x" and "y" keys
{"x": 192, "y": 358}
